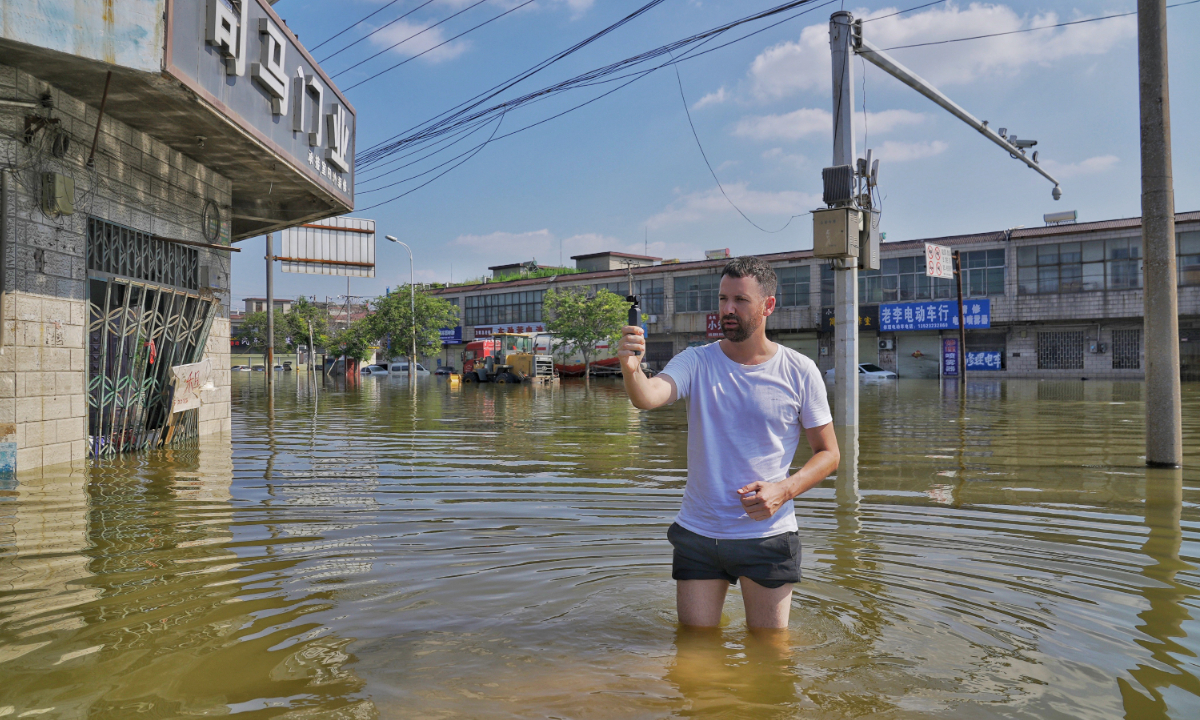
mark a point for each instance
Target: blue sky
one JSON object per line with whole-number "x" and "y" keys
{"x": 624, "y": 173}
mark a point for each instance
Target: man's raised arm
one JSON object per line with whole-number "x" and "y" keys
{"x": 645, "y": 393}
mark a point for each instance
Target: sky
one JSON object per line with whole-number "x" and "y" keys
{"x": 625, "y": 173}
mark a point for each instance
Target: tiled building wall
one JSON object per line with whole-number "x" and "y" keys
{"x": 138, "y": 182}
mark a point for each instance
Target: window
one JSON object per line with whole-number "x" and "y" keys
{"x": 697, "y": 293}
{"x": 983, "y": 348}
{"x": 650, "y": 295}
{"x": 1127, "y": 349}
{"x": 904, "y": 280}
{"x": 1060, "y": 350}
{"x": 513, "y": 307}
{"x": 826, "y": 286}
{"x": 792, "y": 290}
{"x": 1071, "y": 267}
{"x": 983, "y": 272}
{"x": 1187, "y": 247}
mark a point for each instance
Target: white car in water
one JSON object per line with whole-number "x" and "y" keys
{"x": 402, "y": 369}
{"x": 866, "y": 371}
{"x": 373, "y": 370}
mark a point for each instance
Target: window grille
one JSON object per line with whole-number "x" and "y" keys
{"x": 697, "y": 293}
{"x": 1127, "y": 349}
{"x": 125, "y": 252}
{"x": 793, "y": 286}
{"x": 1060, "y": 350}
{"x": 1113, "y": 264}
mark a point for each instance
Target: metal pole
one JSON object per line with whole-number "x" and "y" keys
{"x": 270, "y": 311}
{"x": 845, "y": 279}
{"x": 962, "y": 325}
{"x": 1164, "y": 421}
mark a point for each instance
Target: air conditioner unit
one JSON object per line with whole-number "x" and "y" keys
{"x": 887, "y": 344}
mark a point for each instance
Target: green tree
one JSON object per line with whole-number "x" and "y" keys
{"x": 307, "y": 319}
{"x": 354, "y": 341}
{"x": 254, "y": 331}
{"x": 581, "y": 322}
{"x": 392, "y": 318}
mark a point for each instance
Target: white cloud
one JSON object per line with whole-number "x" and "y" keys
{"x": 804, "y": 64}
{"x": 420, "y": 42}
{"x": 1091, "y": 166}
{"x": 812, "y": 121}
{"x": 777, "y": 155}
{"x": 901, "y": 151}
{"x": 713, "y": 98}
{"x": 788, "y": 126}
{"x": 710, "y": 204}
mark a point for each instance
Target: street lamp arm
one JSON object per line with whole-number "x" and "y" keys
{"x": 892, "y": 67}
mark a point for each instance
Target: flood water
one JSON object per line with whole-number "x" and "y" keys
{"x": 499, "y": 552}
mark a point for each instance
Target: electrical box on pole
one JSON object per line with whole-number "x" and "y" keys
{"x": 836, "y": 232}
{"x": 868, "y": 243}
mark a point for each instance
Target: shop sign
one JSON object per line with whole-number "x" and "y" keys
{"x": 935, "y": 315}
{"x": 868, "y": 318}
{"x": 482, "y": 333}
{"x": 712, "y": 326}
{"x": 950, "y": 357}
{"x": 984, "y": 360}
{"x": 242, "y": 59}
{"x": 451, "y": 336}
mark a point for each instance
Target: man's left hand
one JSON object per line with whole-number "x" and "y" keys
{"x": 762, "y": 499}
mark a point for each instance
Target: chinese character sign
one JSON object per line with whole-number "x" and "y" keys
{"x": 984, "y": 360}
{"x": 935, "y": 315}
{"x": 950, "y": 356}
{"x": 451, "y": 336}
{"x": 712, "y": 327}
{"x": 939, "y": 261}
{"x": 189, "y": 381}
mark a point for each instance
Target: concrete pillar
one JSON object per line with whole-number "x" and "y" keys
{"x": 1164, "y": 437}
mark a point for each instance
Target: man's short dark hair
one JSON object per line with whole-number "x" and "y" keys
{"x": 755, "y": 267}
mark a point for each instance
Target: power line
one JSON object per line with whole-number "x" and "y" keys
{"x": 1025, "y": 30}
{"x": 453, "y": 121}
{"x": 422, "y": 31}
{"x": 378, "y": 29}
{"x": 353, "y": 25}
{"x": 679, "y": 81}
{"x": 435, "y": 47}
{"x": 901, "y": 12}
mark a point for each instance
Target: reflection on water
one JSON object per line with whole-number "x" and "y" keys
{"x": 395, "y": 550}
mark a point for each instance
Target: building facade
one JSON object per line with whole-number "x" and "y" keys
{"x": 137, "y": 141}
{"x": 1058, "y": 301}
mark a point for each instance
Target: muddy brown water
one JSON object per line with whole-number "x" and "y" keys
{"x": 499, "y": 552}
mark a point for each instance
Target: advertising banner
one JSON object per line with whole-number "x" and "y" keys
{"x": 984, "y": 360}
{"x": 482, "y": 333}
{"x": 935, "y": 315}
{"x": 712, "y": 327}
{"x": 868, "y": 318}
{"x": 950, "y": 357}
{"x": 451, "y": 336}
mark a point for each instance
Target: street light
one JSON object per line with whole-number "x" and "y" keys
{"x": 412, "y": 292}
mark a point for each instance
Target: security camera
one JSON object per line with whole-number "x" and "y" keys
{"x": 1003, "y": 132}
{"x": 1056, "y": 193}
{"x": 1023, "y": 143}
{"x": 1035, "y": 157}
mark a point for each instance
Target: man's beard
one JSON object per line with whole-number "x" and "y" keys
{"x": 742, "y": 331}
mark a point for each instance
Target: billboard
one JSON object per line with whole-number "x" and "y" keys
{"x": 333, "y": 246}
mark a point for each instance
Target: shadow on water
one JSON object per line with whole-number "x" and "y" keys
{"x": 387, "y": 549}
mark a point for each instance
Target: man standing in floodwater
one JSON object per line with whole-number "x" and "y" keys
{"x": 747, "y": 400}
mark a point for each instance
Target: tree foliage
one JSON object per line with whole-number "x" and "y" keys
{"x": 392, "y": 318}
{"x": 354, "y": 341}
{"x": 304, "y": 315}
{"x": 581, "y": 322}
{"x": 254, "y": 332}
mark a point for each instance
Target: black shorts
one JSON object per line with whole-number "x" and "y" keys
{"x": 770, "y": 561}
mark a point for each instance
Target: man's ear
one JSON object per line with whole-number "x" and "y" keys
{"x": 769, "y": 306}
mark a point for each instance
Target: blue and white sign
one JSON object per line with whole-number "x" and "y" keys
{"x": 935, "y": 315}
{"x": 451, "y": 336}
{"x": 985, "y": 360}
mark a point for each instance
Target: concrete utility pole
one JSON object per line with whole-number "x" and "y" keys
{"x": 412, "y": 301}
{"x": 270, "y": 311}
{"x": 845, "y": 272}
{"x": 1164, "y": 420}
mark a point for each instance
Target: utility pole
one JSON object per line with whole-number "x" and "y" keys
{"x": 270, "y": 311}
{"x": 962, "y": 327}
{"x": 1164, "y": 421}
{"x": 845, "y": 272}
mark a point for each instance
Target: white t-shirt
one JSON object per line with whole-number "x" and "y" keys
{"x": 744, "y": 425}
